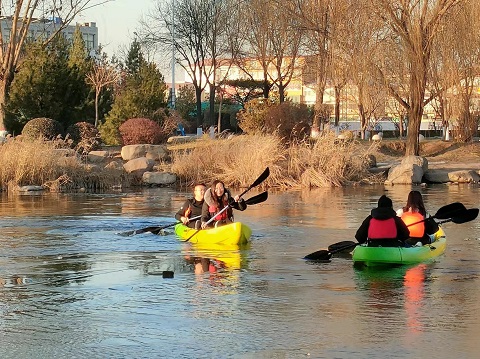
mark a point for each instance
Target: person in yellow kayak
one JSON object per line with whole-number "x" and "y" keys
{"x": 217, "y": 197}
{"x": 382, "y": 228}
{"x": 415, "y": 216}
{"x": 192, "y": 207}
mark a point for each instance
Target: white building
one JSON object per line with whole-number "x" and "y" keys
{"x": 45, "y": 27}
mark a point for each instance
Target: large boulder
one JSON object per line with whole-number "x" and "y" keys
{"x": 130, "y": 152}
{"x": 404, "y": 173}
{"x": 159, "y": 178}
{"x": 138, "y": 166}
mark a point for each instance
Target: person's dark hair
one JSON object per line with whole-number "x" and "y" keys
{"x": 212, "y": 190}
{"x": 385, "y": 202}
{"x": 199, "y": 184}
{"x": 415, "y": 202}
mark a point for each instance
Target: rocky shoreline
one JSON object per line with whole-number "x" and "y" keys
{"x": 417, "y": 170}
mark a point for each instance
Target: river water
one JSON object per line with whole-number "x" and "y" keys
{"x": 72, "y": 287}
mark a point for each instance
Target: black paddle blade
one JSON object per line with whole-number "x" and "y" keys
{"x": 259, "y": 180}
{"x": 343, "y": 245}
{"x": 137, "y": 231}
{"x": 259, "y": 198}
{"x": 321, "y": 255}
{"x": 467, "y": 216}
{"x": 450, "y": 210}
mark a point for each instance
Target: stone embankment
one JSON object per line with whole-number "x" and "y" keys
{"x": 417, "y": 170}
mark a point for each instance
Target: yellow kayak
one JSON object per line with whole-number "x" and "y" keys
{"x": 229, "y": 257}
{"x": 235, "y": 233}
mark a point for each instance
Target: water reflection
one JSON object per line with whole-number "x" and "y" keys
{"x": 73, "y": 287}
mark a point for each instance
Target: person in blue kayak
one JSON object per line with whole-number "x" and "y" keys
{"x": 383, "y": 228}
{"x": 217, "y": 197}
{"x": 415, "y": 216}
{"x": 192, "y": 207}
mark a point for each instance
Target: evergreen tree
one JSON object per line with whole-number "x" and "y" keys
{"x": 46, "y": 86}
{"x": 143, "y": 95}
{"x": 134, "y": 58}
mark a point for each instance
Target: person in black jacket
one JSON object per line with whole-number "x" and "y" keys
{"x": 217, "y": 197}
{"x": 192, "y": 207}
{"x": 383, "y": 228}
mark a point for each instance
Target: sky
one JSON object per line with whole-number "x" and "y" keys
{"x": 117, "y": 21}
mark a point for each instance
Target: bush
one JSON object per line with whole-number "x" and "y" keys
{"x": 252, "y": 119}
{"x": 140, "y": 130}
{"x": 85, "y": 137}
{"x": 290, "y": 120}
{"x": 42, "y": 127}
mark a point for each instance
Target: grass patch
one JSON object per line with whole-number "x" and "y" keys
{"x": 238, "y": 161}
{"x": 41, "y": 163}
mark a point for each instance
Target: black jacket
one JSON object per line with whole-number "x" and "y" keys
{"x": 383, "y": 213}
{"x": 196, "y": 207}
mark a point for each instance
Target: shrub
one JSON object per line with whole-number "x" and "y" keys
{"x": 252, "y": 119}
{"x": 140, "y": 130}
{"x": 42, "y": 127}
{"x": 85, "y": 137}
{"x": 290, "y": 120}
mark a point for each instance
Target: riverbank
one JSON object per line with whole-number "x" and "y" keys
{"x": 237, "y": 161}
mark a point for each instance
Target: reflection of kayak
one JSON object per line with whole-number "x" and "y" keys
{"x": 378, "y": 256}
{"x": 224, "y": 256}
{"x": 235, "y": 233}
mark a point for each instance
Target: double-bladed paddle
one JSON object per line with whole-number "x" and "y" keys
{"x": 454, "y": 212}
{"x": 259, "y": 180}
{"x": 153, "y": 229}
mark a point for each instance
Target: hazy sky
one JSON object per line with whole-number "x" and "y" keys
{"x": 116, "y": 21}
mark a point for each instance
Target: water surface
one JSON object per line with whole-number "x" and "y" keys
{"x": 71, "y": 286}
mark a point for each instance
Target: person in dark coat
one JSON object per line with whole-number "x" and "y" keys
{"x": 192, "y": 207}
{"x": 383, "y": 228}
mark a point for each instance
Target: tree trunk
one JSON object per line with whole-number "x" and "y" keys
{"x": 281, "y": 93}
{"x": 211, "y": 100}
{"x": 4, "y": 86}
{"x": 97, "y": 94}
{"x": 338, "y": 89}
{"x": 320, "y": 90}
{"x": 198, "y": 96}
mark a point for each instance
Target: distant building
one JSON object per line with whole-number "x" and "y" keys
{"x": 45, "y": 27}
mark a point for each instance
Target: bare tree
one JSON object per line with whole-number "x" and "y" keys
{"x": 19, "y": 19}
{"x": 254, "y": 51}
{"x": 101, "y": 75}
{"x": 410, "y": 28}
{"x": 315, "y": 17}
{"x": 182, "y": 25}
{"x": 455, "y": 69}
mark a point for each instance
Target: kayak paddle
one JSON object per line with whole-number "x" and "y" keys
{"x": 153, "y": 229}
{"x": 454, "y": 212}
{"x": 259, "y": 180}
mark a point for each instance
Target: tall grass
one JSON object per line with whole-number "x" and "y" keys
{"x": 324, "y": 162}
{"x": 40, "y": 163}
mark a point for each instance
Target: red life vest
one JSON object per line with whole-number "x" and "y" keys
{"x": 218, "y": 217}
{"x": 382, "y": 229}
{"x": 417, "y": 230}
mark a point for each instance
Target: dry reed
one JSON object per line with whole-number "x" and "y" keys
{"x": 238, "y": 162}
{"x": 41, "y": 163}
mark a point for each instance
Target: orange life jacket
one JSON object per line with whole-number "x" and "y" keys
{"x": 416, "y": 230}
{"x": 382, "y": 229}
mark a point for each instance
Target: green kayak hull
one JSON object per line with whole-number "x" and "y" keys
{"x": 387, "y": 256}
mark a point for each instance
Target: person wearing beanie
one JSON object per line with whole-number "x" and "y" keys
{"x": 383, "y": 228}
